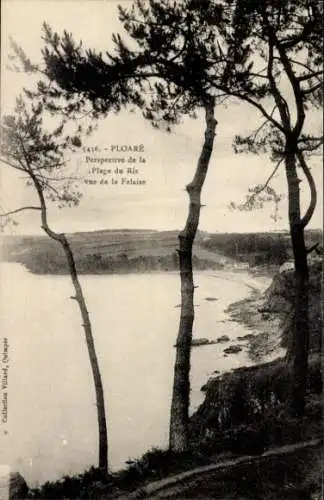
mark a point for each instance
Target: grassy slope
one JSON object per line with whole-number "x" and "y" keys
{"x": 112, "y": 242}
{"x": 105, "y": 244}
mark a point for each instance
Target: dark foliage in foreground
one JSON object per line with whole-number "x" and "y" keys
{"x": 295, "y": 476}
{"x": 244, "y": 414}
{"x": 79, "y": 486}
{"x": 153, "y": 465}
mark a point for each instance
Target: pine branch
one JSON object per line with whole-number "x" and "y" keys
{"x": 298, "y": 63}
{"x": 312, "y": 205}
{"x": 6, "y": 214}
{"x": 256, "y": 193}
{"x": 279, "y": 99}
{"x": 312, "y": 74}
{"x": 246, "y": 98}
{"x": 311, "y": 144}
{"x": 265, "y": 185}
{"x": 312, "y": 89}
{"x": 258, "y": 130}
{"x": 312, "y": 248}
{"x": 12, "y": 165}
{"x": 273, "y": 39}
{"x": 307, "y": 30}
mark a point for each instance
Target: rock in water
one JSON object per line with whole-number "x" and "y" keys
{"x": 223, "y": 338}
{"x": 233, "y": 349}
{"x": 202, "y": 341}
{"x": 248, "y": 336}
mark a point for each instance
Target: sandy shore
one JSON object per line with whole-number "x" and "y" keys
{"x": 264, "y": 340}
{"x": 254, "y": 283}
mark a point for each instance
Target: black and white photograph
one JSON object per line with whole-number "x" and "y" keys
{"x": 161, "y": 249}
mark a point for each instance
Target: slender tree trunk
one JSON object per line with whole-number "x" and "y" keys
{"x": 179, "y": 436}
{"x": 100, "y": 402}
{"x": 298, "y": 354}
{"x": 86, "y": 323}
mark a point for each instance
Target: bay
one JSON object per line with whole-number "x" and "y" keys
{"x": 52, "y": 427}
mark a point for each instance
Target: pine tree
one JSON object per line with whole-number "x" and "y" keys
{"x": 40, "y": 155}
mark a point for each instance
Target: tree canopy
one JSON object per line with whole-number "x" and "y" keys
{"x": 182, "y": 55}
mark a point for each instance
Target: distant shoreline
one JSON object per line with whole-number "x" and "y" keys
{"x": 131, "y": 251}
{"x": 265, "y": 344}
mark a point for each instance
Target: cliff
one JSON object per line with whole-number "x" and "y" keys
{"x": 269, "y": 315}
{"x": 245, "y": 410}
{"x": 279, "y": 299}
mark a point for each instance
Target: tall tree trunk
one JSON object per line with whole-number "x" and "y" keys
{"x": 179, "y": 419}
{"x": 100, "y": 402}
{"x": 298, "y": 353}
{"x": 86, "y": 323}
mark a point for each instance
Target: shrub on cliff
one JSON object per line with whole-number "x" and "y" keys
{"x": 154, "y": 464}
{"x": 245, "y": 410}
{"x": 75, "y": 487}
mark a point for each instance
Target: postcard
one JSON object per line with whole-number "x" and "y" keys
{"x": 157, "y": 238}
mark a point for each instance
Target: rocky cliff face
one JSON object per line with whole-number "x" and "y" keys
{"x": 241, "y": 407}
{"x": 279, "y": 300}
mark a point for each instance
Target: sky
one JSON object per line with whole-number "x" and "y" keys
{"x": 170, "y": 158}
